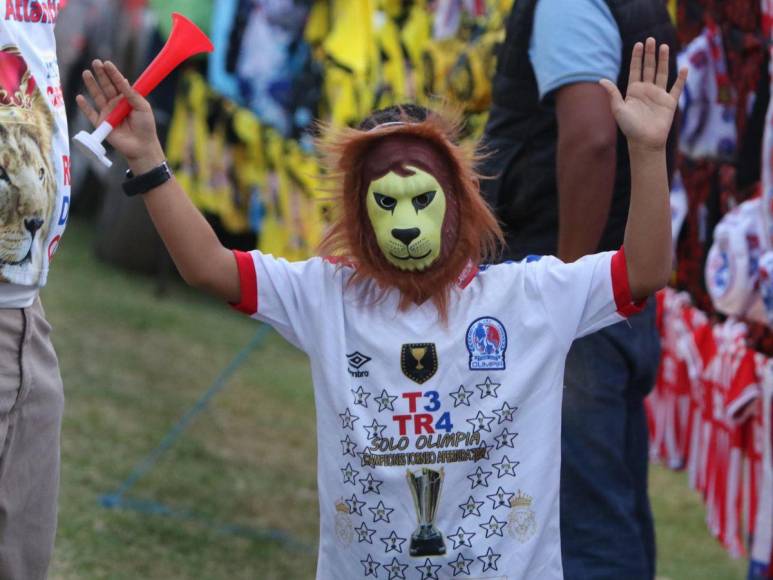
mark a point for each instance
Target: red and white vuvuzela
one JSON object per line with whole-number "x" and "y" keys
{"x": 185, "y": 41}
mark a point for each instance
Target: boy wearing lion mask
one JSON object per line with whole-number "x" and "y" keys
{"x": 437, "y": 379}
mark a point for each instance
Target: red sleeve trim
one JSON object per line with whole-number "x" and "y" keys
{"x": 621, "y": 287}
{"x": 248, "y": 283}
{"x": 339, "y": 261}
{"x": 467, "y": 275}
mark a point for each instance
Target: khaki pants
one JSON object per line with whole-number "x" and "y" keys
{"x": 31, "y": 406}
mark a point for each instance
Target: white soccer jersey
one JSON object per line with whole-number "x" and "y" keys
{"x": 455, "y": 426}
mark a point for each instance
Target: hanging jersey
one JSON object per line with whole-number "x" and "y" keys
{"x": 700, "y": 408}
{"x": 744, "y": 389}
{"x": 718, "y": 377}
{"x": 678, "y": 378}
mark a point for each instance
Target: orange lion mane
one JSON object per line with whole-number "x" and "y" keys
{"x": 470, "y": 235}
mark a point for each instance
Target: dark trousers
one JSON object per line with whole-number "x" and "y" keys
{"x": 607, "y": 531}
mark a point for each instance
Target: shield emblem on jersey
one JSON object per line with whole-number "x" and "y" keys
{"x": 419, "y": 361}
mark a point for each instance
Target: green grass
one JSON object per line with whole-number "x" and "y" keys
{"x": 133, "y": 363}
{"x": 686, "y": 550}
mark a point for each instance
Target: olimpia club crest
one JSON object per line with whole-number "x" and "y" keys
{"x": 486, "y": 343}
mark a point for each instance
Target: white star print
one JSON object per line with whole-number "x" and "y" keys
{"x": 375, "y": 430}
{"x": 348, "y": 446}
{"x": 479, "y": 477}
{"x": 349, "y": 473}
{"x": 505, "y": 467}
{"x": 489, "y": 560}
{"x": 428, "y": 570}
{"x": 505, "y": 439}
{"x": 505, "y": 413}
{"x": 461, "y": 565}
{"x": 370, "y": 485}
{"x": 371, "y": 566}
{"x": 361, "y": 396}
{"x": 461, "y": 396}
{"x": 393, "y": 543}
{"x": 470, "y": 507}
{"x": 396, "y": 570}
{"x": 355, "y": 506}
{"x": 385, "y": 401}
{"x": 380, "y": 512}
{"x": 364, "y": 533}
{"x": 348, "y": 420}
{"x": 488, "y": 388}
{"x": 481, "y": 422}
{"x": 461, "y": 538}
{"x": 500, "y": 498}
{"x": 494, "y": 527}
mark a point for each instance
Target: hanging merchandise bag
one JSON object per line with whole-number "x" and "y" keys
{"x": 733, "y": 260}
{"x": 707, "y": 105}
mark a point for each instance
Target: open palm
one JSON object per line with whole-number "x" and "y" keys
{"x": 647, "y": 112}
{"x": 107, "y": 86}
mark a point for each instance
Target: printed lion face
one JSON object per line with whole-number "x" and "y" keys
{"x": 27, "y": 176}
{"x": 27, "y": 191}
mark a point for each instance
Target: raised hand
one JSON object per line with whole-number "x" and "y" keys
{"x": 647, "y": 112}
{"x": 136, "y": 137}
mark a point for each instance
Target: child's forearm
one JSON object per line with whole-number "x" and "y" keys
{"x": 645, "y": 117}
{"x": 193, "y": 245}
{"x": 198, "y": 254}
{"x": 648, "y": 231}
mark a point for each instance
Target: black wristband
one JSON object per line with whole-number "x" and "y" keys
{"x": 147, "y": 181}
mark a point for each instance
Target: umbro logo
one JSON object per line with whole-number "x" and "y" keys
{"x": 356, "y": 361}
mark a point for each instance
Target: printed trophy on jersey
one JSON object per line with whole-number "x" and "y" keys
{"x": 426, "y": 485}
{"x": 418, "y": 353}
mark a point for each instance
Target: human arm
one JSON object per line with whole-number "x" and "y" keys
{"x": 586, "y": 162}
{"x": 201, "y": 259}
{"x": 574, "y": 44}
{"x": 645, "y": 117}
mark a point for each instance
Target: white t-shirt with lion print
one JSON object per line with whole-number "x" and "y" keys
{"x": 34, "y": 149}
